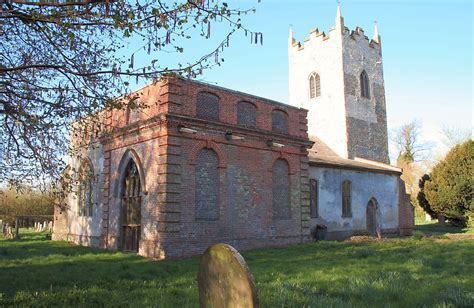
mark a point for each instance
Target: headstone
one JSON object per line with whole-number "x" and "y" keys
{"x": 224, "y": 279}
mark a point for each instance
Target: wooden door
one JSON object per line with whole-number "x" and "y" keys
{"x": 131, "y": 209}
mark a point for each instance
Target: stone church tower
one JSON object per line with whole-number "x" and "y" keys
{"x": 338, "y": 78}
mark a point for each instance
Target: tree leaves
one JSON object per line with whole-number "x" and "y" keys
{"x": 61, "y": 63}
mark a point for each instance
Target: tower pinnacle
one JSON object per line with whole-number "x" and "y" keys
{"x": 339, "y": 18}
{"x": 376, "y": 37}
{"x": 291, "y": 37}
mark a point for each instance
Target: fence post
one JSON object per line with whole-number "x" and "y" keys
{"x": 17, "y": 228}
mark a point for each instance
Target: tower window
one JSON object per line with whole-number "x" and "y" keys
{"x": 314, "y": 85}
{"x": 364, "y": 85}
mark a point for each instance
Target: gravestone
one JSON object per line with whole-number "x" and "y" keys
{"x": 224, "y": 279}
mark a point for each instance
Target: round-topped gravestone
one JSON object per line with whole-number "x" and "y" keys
{"x": 224, "y": 279}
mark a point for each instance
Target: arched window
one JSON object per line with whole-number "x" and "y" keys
{"x": 246, "y": 114}
{"x": 313, "y": 198}
{"x": 131, "y": 208}
{"x": 207, "y": 185}
{"x": 364, "y": 85}
{"x": 207, "y": 106}
{"x": 279, "y": 121}
{"x": 346, "y": 199}
{"x": 281, "y": 189}
{"x": 86, "y": 179}
{"x": 314, "y": 85}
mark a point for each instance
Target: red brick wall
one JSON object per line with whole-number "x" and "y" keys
{"x": 406, "y": 212}
{"x": 167, "y": 160}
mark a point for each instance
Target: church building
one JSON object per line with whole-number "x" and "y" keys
{"x": 202, "y": 164}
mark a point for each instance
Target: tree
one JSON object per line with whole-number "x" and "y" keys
{"x": 407, "y": 142}
{"x": 451, "y": 186}
{"x": 66, "y": 60}
{"x": 26, "y": 202}
{"x": 453, "y": 136}
{"x": 421, "y": 197}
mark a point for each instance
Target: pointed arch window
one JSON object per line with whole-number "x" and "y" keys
{"x": 346, "y": 198}
{"x": 364, "y": 85}
{"x": 314, "y": 85}
{"x": 207, "y": 185}
{"x": 281, "y": 190}
{"x": 86, "y": 178}
{"x": 131, "y": 208}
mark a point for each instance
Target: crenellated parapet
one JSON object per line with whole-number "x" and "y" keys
{"x": 338, "y": 31}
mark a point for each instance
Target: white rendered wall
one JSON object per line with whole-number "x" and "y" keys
{"x": 365, "y": 185}
{"x": 85, "y": 230}
{"x": 326, "y": 113}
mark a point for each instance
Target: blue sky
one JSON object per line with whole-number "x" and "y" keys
{"x": 427, "y": 52}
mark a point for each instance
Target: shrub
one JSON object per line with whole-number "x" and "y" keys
{"x": 449, "y": 190}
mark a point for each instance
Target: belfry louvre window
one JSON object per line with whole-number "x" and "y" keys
{"x": 314, "y": 85}
{"x": 131, "y": 208}
{"x": 313, "y": 198}
{"x": 207, "y": 185}
{"x": 207, "y": 106}
{"x": 281, "y": 189}
{"x": 246, "y": 114}
{"x": 279, "y": 121}
{"x": 364, "y": 85}
{"x": 346, "y": 199}
{"x": 86, "y": 179}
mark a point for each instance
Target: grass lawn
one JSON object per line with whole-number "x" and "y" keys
{"x": 410, "y": 272}
{"x": 432, "y": 227}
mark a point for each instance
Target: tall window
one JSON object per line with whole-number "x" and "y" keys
{"x": 131, "y": 208}
{"x": 86, "y": 178}
{"x": 314, "y": 85}
{"x": 279, "y": 121}
{"x": 346, "y": 199}
{"x": 281, "y": 190}
{"x": 207, "y": 185}
{"x": 246, "y": 114}
{"x": 313, "y": 198}
{"x": 207, "y": 106}
{"x": 364, "y": 85}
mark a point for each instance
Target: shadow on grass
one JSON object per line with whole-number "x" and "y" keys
{"x": 439, "y": 228}
{"x": 409, "y": 272}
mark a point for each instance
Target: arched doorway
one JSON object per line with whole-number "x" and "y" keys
{"x": 131, "y": 208}
{"x": 371, "y": 217}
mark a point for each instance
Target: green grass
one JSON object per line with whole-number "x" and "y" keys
{"x": 432, "y": 227}
{"x": 412, "y": 272}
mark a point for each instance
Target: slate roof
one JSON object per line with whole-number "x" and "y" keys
{"x": 322, "y": 155}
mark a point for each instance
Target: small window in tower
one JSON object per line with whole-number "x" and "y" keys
{"x": 364, "y": 85}
{"x": 314, "y": 86}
